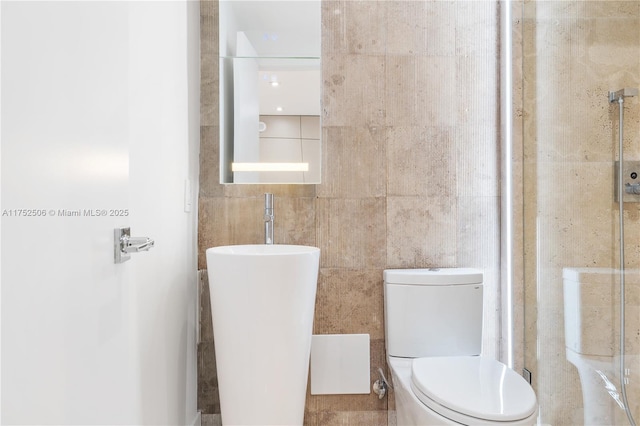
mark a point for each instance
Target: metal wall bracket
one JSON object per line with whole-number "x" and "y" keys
{"x": 120, "y": 256}
{"x": 381, "y": 386}
{"x": 630, "y": 181}
{"x": 527, "y": 375}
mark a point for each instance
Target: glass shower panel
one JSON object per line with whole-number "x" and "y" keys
{"x": 573, "y": 54}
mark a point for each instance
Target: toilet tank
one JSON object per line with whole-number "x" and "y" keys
{"x": 433, "y": 312}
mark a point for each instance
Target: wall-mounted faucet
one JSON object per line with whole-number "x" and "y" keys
{"x": 268, "y": 218}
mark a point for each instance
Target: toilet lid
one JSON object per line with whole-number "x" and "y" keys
{"x": 474, "y": 386}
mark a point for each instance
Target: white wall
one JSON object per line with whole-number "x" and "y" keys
{"x": 99, "y": 111}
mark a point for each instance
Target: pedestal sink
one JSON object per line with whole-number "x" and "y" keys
{"x": 262, "y": 303}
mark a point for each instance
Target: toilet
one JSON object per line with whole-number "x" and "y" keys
{"x": 433, "y": 325}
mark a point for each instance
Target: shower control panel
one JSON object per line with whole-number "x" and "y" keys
{"x": 630, "y": 181}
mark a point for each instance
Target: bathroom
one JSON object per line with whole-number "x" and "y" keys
{"x": 412, "y": 141}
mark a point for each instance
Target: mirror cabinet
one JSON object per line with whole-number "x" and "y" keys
{"x": 270, "y": 91}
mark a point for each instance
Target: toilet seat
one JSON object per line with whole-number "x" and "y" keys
{"x": 473, "y": 387}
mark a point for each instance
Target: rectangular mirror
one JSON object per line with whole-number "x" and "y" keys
{"x": 270, "y": 82}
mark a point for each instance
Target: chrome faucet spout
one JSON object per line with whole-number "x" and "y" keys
{"x": 268, "y": 218}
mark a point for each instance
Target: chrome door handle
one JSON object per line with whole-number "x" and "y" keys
{"x": 134, "y": 245}
{"x": 124, "y": 244}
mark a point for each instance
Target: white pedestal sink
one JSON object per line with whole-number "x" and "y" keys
{"x": 262, "y": 303}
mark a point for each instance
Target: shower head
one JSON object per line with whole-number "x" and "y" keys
{"x": 623, "y": 93}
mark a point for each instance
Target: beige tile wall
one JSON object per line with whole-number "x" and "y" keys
{"x": 517, "y": 320}
{"x": 410, "y": 171}
{"x": 574, "y": 53}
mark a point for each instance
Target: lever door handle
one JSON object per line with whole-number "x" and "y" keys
{"x": 124, "y": 244}
{"x": 134, "y": 245}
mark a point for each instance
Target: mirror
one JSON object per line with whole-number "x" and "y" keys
{"x": 270, "y": 82}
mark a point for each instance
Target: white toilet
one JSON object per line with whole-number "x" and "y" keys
{"x": 433, "y": 325}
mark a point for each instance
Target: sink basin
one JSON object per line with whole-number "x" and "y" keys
{"x": 262, "y": 304}
{"x": 263, "y": 250}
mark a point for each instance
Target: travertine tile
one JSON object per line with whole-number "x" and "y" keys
{"x": 604, "y": 9}
{"x": 206, "y": 324}
{"x": 350, "y": 302}
{"x": 354, "y": 26}
{"x": 477, "y": 28}
{"x": 518, "y": 270}
{"x": 421, "y": 161}
{"x": 278, "y": 191}
{"x": 415, "y": 90}
{"x": 209, "y": 111}
{"x": 209, "y": 8}
{"x": 568, "y": 238}
{"x": 351, "y": 232}
{"x": 366, "y": 32}
{"x": 477, "y": 161}
{"x": 517, "y": 105}
{"x": 421, "y": 28}
{"x": 477, "y": 105}
{"x": 209, "y": 163}
{"x": 295, "y": 221}
{"x": 421, "y": 232}
{"x": 353, "y": 90}
{"x": 225, "y": 221}
{"x": 392, "y": 418}
{"x": 612, "y": 40}
{"x": 354, "y": 163}
{"x": 211, "y": 420}
{"x": 208, "y": 396}
{"x": 352, "y": 417}
{"x": 478, "y": 219}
